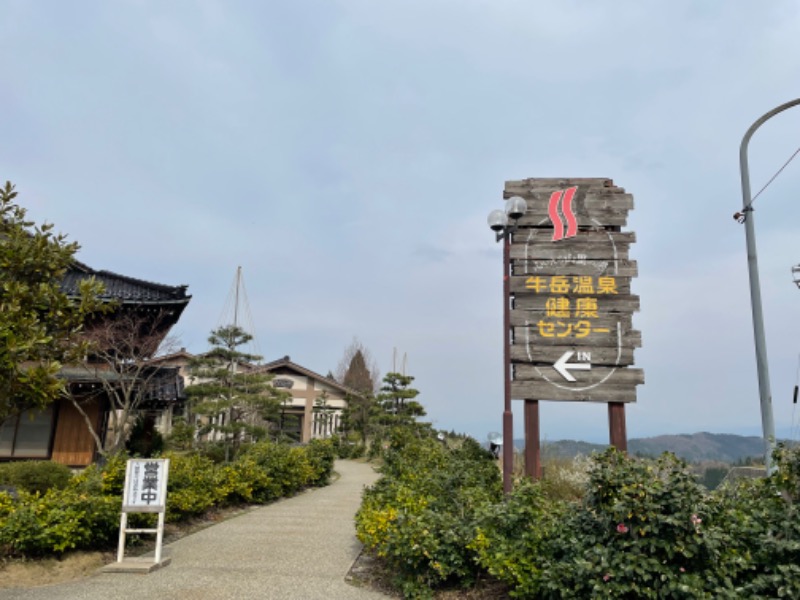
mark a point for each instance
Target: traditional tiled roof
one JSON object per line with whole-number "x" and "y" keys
{"x": 286, "y": 362}
{"x": 281, "y": 363}
{"x": 163, "y": 385}
{"x": 184, "y": 357}
{"x": 124, "y": 289}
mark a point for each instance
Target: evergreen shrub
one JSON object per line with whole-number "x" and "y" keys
{"x": 321, "y": 456}
{"x": 56, "y": 521}
{"x": 83, "y": 513}
{"x": 35, "y": 476}
{"x": 420, "y": 516}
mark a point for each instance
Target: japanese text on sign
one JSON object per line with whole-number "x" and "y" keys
{"x": 578, "y": 284}
{"x": 145, "y": 485}
{"x": 560, "y": 310}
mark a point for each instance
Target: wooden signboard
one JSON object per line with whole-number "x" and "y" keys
{"x": 571, "y": 300}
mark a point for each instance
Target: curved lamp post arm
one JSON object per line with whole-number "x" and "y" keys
{"x": 767, "y": 420}
{"x": 745, "y": 171}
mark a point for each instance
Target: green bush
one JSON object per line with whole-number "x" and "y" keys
{"x": 642, "y": 531}
{"x": 35, "y": 476}
{"x": 760, "y": 523}
{"x": 106, "y": 477}
{"x": 321, "y": 456}
{"x": 643, "y": 528}
{"x": 57, "y": 521}
{"x": 511, "y": 536}
{"x": 357, "y": 451}
{"x": 288, "y": 467}
{"x": 85, "y": 513}
{"x": 420, "y": 516}
{"x": 245, "y": 481}
{"x": 348, "y": 447}
{"x": 193, "y": 486}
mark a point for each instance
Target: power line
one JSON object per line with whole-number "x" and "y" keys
{"x": 791, "y": 158}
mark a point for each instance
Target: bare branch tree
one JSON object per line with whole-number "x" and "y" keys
{"x": 123, "y": 346}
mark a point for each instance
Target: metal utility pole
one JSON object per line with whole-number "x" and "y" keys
{"x": 767, "y": 420}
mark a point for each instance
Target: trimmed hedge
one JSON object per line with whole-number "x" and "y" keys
{"x": 420, "y": 516}
{"x": 84, "y": 512}
{"x": 643, "y": 528}
{"x": 35, "y": 476}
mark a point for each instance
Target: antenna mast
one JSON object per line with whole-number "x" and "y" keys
{"x": 236, "y": 300}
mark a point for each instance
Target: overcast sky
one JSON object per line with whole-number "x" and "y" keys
{"x": 346, "y": 153}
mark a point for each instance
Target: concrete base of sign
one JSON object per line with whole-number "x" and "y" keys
{"x": 142, "y": 565}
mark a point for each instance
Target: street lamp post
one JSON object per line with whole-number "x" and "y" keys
{"x": 767, "y": 420}
{"x": 504, "y": 223}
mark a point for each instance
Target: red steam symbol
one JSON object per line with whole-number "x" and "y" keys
{"x": 566, "y": 208}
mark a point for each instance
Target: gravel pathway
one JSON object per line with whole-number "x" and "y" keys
{"x": 300, "y": 548}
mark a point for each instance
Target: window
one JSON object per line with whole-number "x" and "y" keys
{"x": 27, "y": 435}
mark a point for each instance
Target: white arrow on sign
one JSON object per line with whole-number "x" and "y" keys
{"x": 562, "y": 366}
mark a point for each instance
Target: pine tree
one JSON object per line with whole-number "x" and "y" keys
{"x": 397, "y": 400}
{"x": 237, "y": 403}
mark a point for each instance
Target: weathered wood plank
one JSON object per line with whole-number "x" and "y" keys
{"x": 597, "y": 375}
{"x": 620, "y": 303}
{"x": 611, "y": 357}
{"x": 521, "y": 318}
{"x": 553, "y": 285}
{"x": 566, "y": 256}
{"x": 621, "y": 268}
{"x": 548, "y": 182}
{"x": 540, "y": 390}
{"x": 562, "y": 335}
{"x": 592, "y": 218}
{"x": 544, "y": 235}
{"x": 584, "y": 200}
{"x": 542, "y": 247}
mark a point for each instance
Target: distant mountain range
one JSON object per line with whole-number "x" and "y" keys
{"x": 695, "y": 447}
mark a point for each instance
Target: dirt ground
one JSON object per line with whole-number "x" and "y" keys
{"x": 369, "y": 573}
{"x": 33, "y": 573}
{"x": 25, "y": 573}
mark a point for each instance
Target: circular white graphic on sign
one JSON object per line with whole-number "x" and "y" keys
{"x": 563, "y": 367}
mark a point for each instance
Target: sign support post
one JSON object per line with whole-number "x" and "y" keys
{"x": 533, "y": 458}
{"x": 508, "y": 416}
{"x": 616, "y": 426}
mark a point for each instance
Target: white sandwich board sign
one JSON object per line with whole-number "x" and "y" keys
{"x": 145, "y": 492}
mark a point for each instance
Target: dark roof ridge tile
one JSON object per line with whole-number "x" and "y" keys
{"x": 144, "y": 282}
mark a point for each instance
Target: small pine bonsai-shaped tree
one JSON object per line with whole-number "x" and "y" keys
{"x": 236, "y": 403}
